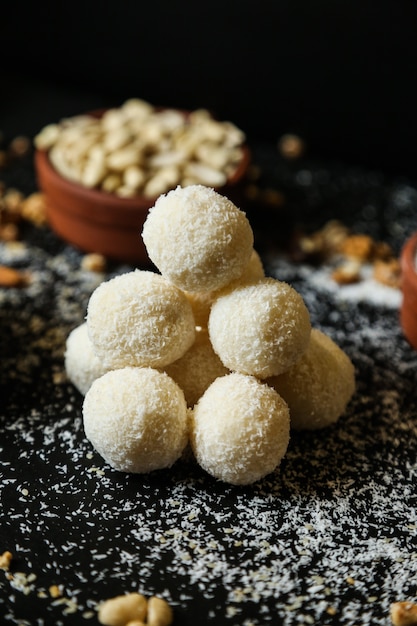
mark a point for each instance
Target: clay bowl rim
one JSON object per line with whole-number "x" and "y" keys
{"x": 134, "y": 203}
{"x": 408, "y": 309}
{"x": 408, "y": 260}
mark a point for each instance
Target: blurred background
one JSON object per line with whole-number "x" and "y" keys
{"x": 341, "y": 74}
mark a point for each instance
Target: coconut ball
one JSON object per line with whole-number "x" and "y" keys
{"x": 260, "y": 329}
{"x": 197, "y": 238}
{"x": 136, "y": 419}
{"x": 253, "y": 272}
{"x": 82, "y": 366}
{"x": 197, "y": 369}
{"x": 139, "y": 319}
{"x": 239, "y": 429}
{"x": 319, "y": 386}
{"x": 201, "y": 301}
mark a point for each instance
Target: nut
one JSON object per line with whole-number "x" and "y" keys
{"x": 388, "y": 272}
{"x": 10, "y": 277}
{"x": 159, "y": 612}
{"x": 358, "y": 247}
{"x": 404, "y": 613}
{"x": 9, "y": 232}
{"x": 12, "y": 200}
{"x": 326, "y": 242}
{"x": 5, "y": 560}
{"x": 33, "y": 209}
{"x": 120, "y": 610}
{"x": 333, "y": 235}
{"x": 382, "y": 250}
{"x": 54, "y": 591}
{"x": 93, "y": 262}
{"x": 347, "y": 273}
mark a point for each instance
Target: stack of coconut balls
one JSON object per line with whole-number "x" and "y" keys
{"x": 206, "y": 353}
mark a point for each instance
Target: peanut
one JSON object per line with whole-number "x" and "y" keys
{"x": 120, "y": 159}
{"x": 404, "y": 614}
{"x": 10, "y": 277}
{"x": 116, "y": 138}
{"x": 120, "y": 610}
{"x": 205, "y": 175}
{"x": 47, "y": 137}
{"x": 95, "y": 169}
{"x": 93, "y": 262}
{"x": 33, "y": 208}
{"x": 159, "y": 612}
{"x": 5, "y": 560}
{"x": 388, "y": 272}
{"x": 163, "y": 180}
{"x": 134, "y": 177}
{"x": 347, "y": 273}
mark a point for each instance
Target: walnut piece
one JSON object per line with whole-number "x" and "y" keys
{"x": 404, "y": 614}
{"x": 5, "y": 560}
{"x": 358, "y": 247}
{"x": 388, "y": 272}
{"x": 347, "y": 273}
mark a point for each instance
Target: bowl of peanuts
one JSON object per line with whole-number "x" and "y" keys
{"x": 408, "y": 310}
{"x": 102, "y": 171}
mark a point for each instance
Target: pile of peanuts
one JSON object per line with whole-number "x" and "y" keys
{"x": 352, "y": 252}
{"x": 15, "y": 209}
{"x": 138, "y": 149}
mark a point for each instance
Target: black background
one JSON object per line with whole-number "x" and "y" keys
{"x": 340, "y": 73}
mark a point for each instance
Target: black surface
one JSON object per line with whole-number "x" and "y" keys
{"x": 329, "y": 538}
{"x": 342, "y": 76}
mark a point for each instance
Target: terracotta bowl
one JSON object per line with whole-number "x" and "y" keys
{"x": 408, "y": 311}
{"x": 95, "y": 221}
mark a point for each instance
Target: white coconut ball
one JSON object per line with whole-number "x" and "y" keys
{"x": 136, "y": 419}
{"x": 260, "y": 329}
{"x": 82, "y": 366}
{"x": 197, "y": 238}
{"x": 319, "y": 386}
{"x": 197, "y": 369}
{"x": 139, "y": 319}
{"x": 239, "y": 429}
{"x": 201, "y": 301}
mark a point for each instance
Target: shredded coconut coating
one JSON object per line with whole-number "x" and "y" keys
{"x": 197, "y": 238}
{"x": 201, "y": 301}
{"x": 82, "y": 366}
{"x": 239, "y": 429}
{"x": 319, "y": 386}
{"x": 197, "y": 369}
{"x": 136, "y": 419}
{"x": 260, "y": 329}
{"x": 139, "y": 319}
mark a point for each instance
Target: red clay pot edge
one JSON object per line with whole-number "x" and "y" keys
{"x": 120, "y": 245}
{"x": 408, "y": 310}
